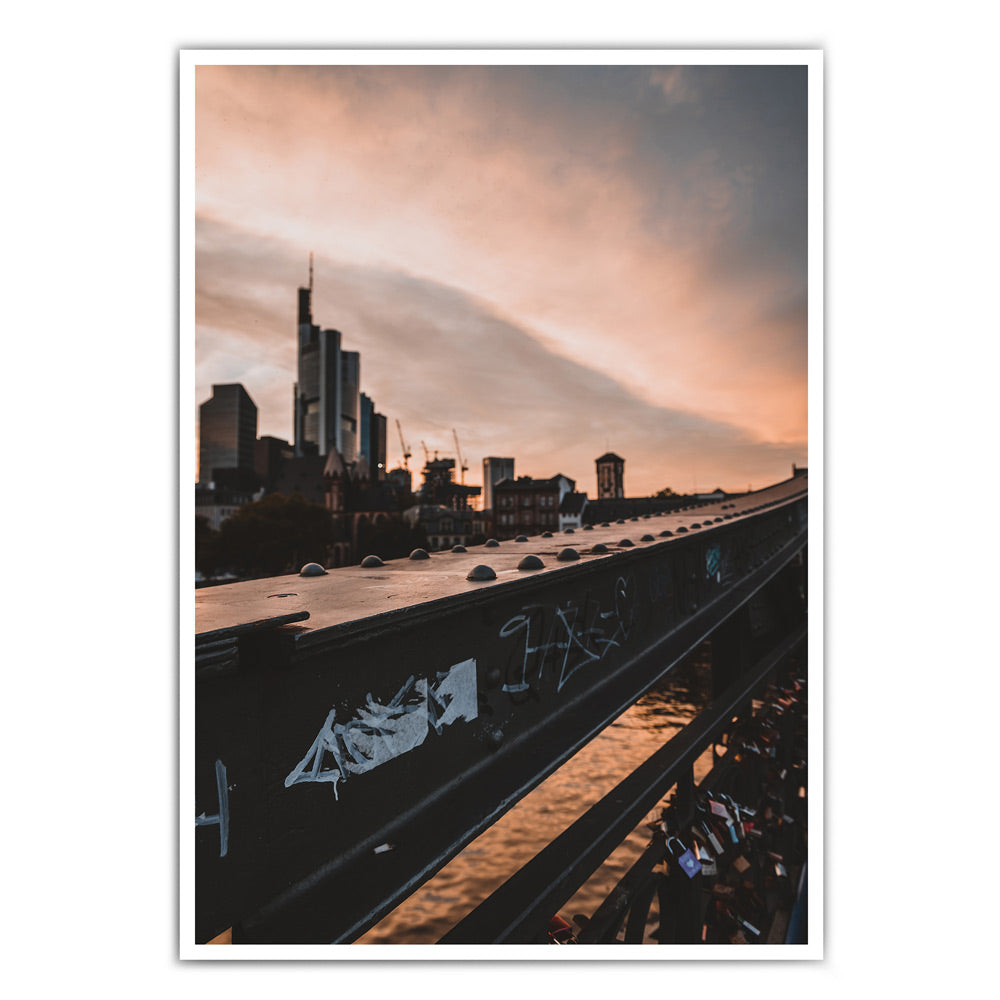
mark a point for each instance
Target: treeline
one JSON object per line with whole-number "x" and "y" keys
{"x": 279, "y": 534}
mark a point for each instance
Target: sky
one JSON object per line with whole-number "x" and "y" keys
{"x": 553, "y": 261}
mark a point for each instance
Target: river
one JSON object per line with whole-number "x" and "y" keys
{"x": 543, "y": 814}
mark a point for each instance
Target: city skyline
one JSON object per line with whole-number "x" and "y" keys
{"x": 555, "y": 261}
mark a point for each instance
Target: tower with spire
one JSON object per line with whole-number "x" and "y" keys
{"x": 326, "y": 410}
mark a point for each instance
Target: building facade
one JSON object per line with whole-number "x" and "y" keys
{"x": 526, "y": 506}
{"x": 227, "y": 433}
{"x": 446, "y": 527}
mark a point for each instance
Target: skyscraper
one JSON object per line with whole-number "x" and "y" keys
{"x": 327, "y": 393}
{"x": 227, "y": 433}
{"x": 495, "y": 469}
{"x": 349, "y": 438}
{"x": 373, "y": 437}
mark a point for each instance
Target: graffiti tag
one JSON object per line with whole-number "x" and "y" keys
{"x": 379, "y": 733}
{"x": 576, "y": 636}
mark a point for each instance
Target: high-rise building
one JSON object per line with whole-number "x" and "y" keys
{"x": 495, "y": 469}
{"x": 227, "y": 434}
{"x": 373, "y": 437}
{"x": 380, "y": 453}
{"x": 327, "y": 394}
{"x": 367, "y": 419}
{"x": 349, "y": 442}
{"x": 610, "y": 476}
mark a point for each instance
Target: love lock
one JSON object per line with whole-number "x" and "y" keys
{"x": 686, "y": 861}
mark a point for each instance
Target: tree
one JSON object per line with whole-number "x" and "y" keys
{"x": 276, "y": 534}
{"x": 206, "y": 542}
{"x": 390, "y": 538}
{"x": 665, "y": 493}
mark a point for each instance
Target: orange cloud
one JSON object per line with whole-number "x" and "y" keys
{"x": 618, "y": 217}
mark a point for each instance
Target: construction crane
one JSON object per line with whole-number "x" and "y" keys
{"x": 427, "y": 454}
{"x": 404, "y": 446}
{"x": 458, "y": 451}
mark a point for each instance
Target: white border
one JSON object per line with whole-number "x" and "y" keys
{"x": 189, "y": 59}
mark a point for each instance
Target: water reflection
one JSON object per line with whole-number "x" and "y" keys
{"x": 542, "y": 815}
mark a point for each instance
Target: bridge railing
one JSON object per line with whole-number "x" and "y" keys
{"x": 338, "y": 768}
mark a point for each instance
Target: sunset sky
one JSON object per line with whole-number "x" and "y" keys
{"x": 553, "y": 260}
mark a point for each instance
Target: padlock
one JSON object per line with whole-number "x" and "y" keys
{"x": 719, "y": 809}
{"x": 713, "y": 839}
{"x": 685, "y": 861}
{"x": 706, "y": 828}
{"x": 708, "y": 866}
{"x": 736, "y": 813}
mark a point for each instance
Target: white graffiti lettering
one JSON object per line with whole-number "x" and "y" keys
{"x": 579, "y": 644}
{"x": 379, "y": 733}
{"x": 222, "y": 816}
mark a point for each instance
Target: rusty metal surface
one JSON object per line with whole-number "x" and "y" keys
{"x": 349, "y": 756}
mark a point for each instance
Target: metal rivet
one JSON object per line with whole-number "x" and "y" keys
{"x": 646, "y": 538}
{"x": 546, "y": 534}
{"x": 570, "y": 531}
{"x": 459, "y": 548}
{"x": 521, "y": 538}
{"x": 491, "y": 543}
{"x": 312, "y": 569}
{"x": 531, "y": 562}
{"x": 696, "y": 525}
{"x": 666, "y": 534}
{"x": 419, "y": 554}
{"x": 481, "y": 573}
{"x": 681, "y": 530}
{"x": 620, "y": 520}
{"x": 633, "y": 519}
{"x": 588, "y": 527}
{"x": 605, "y": 524}
{"x": 599, "y": 547}
{"x": 370, "y": 562}
{"x": 626, "y": 542}
{"x": 568, "y": 555}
